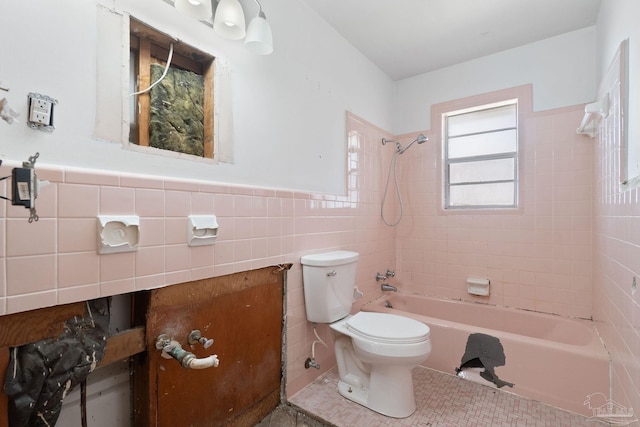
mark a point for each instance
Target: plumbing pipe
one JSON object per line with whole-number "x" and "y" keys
{"x": 207, "y": 362}
{"x": 173, "y": 349}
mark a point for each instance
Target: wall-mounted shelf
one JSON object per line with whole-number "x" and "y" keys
{"x": 592, "y": 114}
{"x": 202, "y": 230}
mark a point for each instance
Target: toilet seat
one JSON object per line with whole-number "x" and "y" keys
{"x": 387, "y": 328}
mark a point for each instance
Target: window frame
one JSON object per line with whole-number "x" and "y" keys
{"x": 515, "y": 155}
{"x": 147, "y": 44}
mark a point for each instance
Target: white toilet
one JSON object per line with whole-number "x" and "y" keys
{"x": 375, "y": 352}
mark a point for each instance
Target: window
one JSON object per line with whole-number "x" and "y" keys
{"x": 177, "y": 113}
{"x": 481, "y": 157}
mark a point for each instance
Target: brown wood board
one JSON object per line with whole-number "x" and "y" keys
{"x": 243, "y": 313}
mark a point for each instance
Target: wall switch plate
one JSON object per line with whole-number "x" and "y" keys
{"x": 41, "y": 108}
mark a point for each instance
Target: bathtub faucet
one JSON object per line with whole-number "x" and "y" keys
{"x": 386, "y": 275}
{"x": 388, "y": 287}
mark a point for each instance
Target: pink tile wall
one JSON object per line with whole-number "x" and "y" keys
{"x": 55, "y": 260}
{"x": 616, "y": 253}
{"x": 538, "y": 257}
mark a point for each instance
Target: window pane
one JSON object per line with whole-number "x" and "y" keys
{"x": 486, "y": 170}
{"x": 501, "y": 194}
{"x": 482, "y": 121}
{"x": 483, "y": 144}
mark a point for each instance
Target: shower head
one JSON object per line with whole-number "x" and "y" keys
{"x": 419, "y": 139}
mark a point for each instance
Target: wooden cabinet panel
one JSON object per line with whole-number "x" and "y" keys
{"x": 243, "y": 313}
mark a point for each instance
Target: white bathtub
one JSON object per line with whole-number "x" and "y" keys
{"x": 552, "y": 359}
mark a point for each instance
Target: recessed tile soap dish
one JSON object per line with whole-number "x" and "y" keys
{"x": 202, "y": 230}
{"x": 118, "y": 234}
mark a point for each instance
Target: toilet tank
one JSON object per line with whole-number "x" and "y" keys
{"x": 329, "y": 279}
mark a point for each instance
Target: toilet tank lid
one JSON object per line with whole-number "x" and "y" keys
{"x": 326, "y": 259}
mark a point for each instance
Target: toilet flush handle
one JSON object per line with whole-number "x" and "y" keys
{"x": 332, "y": 273}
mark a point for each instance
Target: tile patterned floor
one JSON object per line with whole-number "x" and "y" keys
{"x": 442, "y": 400}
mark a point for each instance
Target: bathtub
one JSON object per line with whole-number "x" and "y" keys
{"x": 552, "y": 359}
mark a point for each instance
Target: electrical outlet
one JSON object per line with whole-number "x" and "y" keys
{"x": 40, "y": 111}
{"x": 41, "y": 108}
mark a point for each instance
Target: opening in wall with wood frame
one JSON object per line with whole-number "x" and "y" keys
{"x": 176, "y": 114}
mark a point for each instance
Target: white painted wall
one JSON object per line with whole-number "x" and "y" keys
{"x": 288, "y": 108}
{"x": 561, "y": 69}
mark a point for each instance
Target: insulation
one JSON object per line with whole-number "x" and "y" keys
{"x": 42, "y": 373}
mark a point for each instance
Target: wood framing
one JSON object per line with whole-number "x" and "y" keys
{"x": 23, "y": 328}
{"x": 151, "y": 46}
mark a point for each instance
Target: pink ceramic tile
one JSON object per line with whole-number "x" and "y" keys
{"x": 77, "y": 235}
{"x": 117, "y": 287}
{"x": 86, "y": 177}
{"x": 224, "y": 269}
{"x": 150, "y": 261}
{"x": 241, "y": 250}
{"x": 177, "y": 203}
{"x": 241, "y": 266}
{"x": 141, "y": 182}
{"x": 202, "y": 273}
{"x": 152, "y": 232}
{"x": 259, "y": 206}
{"x": 117, "y": 201}
{"x": 243, "y": 206}
{"x": 117, "y": 266}
{"x": 31, "y": 301}
{"x": 78, "y": 269}
{"x": 78, "y": 201}
{"x": 202, "y": 204}
{"x": 242, "y": 190}
{"x": 223, "y": 204}
{"x": 177, "y": 258}
{"x": 223, "y": 254}
{"x": 78, "y": 293}
{"x": 241, "y": 229}
{"x": 32, "y": 274}
{"x": 35, "y": 238}
{"x": 176, "y": 277}
{"x": 274, "y": 207}
{"x": 259, "y": 248}
{"x": 17, "y": 212}
{"x": 3, "y": 281}
{"x": 259, "y": 228}
{"x": 179, "y": 184}
{"x": 150, "y": 282}
{"x": 202, "y": 256}
{"x": 176, "y": 231}
{"x": 149, "y": 203}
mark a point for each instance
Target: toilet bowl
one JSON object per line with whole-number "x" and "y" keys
{"x": 375, "y": 352}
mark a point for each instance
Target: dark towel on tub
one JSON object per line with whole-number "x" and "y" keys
{"x": 484, "y": 351}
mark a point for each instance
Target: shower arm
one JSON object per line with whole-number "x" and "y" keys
{"x": 399, "y": 149}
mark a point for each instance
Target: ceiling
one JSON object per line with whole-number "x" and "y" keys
{"x": 405, "y": 38}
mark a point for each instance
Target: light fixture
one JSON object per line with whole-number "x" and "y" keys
{"x": 259, "y": 37}
{"x": 229, "y": 20}
{"x": 198, "y": 9}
